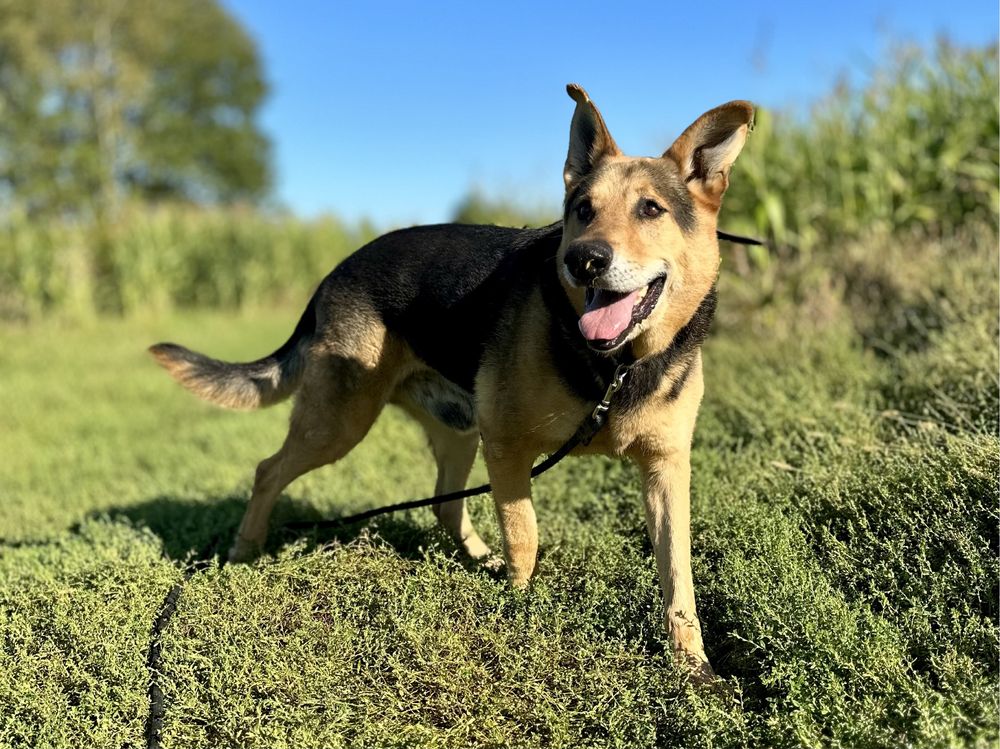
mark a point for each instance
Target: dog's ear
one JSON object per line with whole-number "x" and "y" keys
{"x": 707, "y": 149}
{"x": 589, "y": 139}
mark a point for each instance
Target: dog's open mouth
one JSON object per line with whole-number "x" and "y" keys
{"x": 609, "y": 316}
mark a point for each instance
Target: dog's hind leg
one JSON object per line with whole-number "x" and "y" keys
{"x": 334, "y": 409}
{"x": 455, "y": 453}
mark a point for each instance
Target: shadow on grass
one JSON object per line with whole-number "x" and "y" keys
{"x": 200, "y": 529}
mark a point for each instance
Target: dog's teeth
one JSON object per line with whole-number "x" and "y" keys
{"x": 642, "y": 294}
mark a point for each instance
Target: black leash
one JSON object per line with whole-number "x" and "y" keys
{"x": 738, "y": 239}
{"x": 587, "y": 431}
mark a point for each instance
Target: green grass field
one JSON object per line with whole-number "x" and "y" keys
{"x": 845, "y": 545}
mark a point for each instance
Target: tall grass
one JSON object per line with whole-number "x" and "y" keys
{"x": 912, "y": 153}
{"x": 168, "y": 257}
{"x": 915, "y": 148}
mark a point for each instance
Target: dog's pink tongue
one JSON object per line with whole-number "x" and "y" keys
{"x": 607, "y": 315}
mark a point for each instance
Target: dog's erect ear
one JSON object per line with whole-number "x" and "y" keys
{"x": 707, "y": 149}
{"x": 589, "y": 139}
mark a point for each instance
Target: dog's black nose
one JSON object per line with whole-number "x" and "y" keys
{"x": 586, "y": 261}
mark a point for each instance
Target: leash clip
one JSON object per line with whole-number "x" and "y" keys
{"x": 616, "y": 383}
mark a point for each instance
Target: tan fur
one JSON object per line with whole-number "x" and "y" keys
{"x": 524, "y": 408}
{"x": 184, "y": 373}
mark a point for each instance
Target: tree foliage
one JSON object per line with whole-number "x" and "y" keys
{"x": 101, "y": 100}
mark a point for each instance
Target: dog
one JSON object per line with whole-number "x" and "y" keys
{"x": 510, "y": 336}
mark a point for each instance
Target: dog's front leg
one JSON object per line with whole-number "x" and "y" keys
{"x": 667, "y": 485}
{"x": 510, "y": 476}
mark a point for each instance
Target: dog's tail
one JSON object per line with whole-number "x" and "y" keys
{"x": 247, "y": 386}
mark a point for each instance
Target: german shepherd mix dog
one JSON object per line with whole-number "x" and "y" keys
{"x": 512, "y": 335}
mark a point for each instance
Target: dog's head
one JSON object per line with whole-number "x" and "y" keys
{"x": 639, "y": 250}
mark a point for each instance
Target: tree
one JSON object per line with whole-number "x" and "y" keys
{"x": 106, "y": 99}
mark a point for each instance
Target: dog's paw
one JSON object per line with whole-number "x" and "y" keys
{"x": 519, "y": 579}
{"x": 697, "y": 667}
{"x": 689, "y": 652}
{"x": 243, "y": 551}
{"x": 476, "y": 550}
{"x": 519, "y": 583}
{"x": 491, "y": 563}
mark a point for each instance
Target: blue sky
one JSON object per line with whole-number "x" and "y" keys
{"x": 393, "y": 111}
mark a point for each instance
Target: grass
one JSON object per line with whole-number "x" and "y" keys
{"x": 845, "y": 547}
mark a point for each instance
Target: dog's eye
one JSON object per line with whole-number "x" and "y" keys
{"x": 585, "y": 211}
{"x": 650, "y": 209}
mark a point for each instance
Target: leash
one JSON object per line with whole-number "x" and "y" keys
{"x": 583, "y": 436}
{"x": 738, "y": 239}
